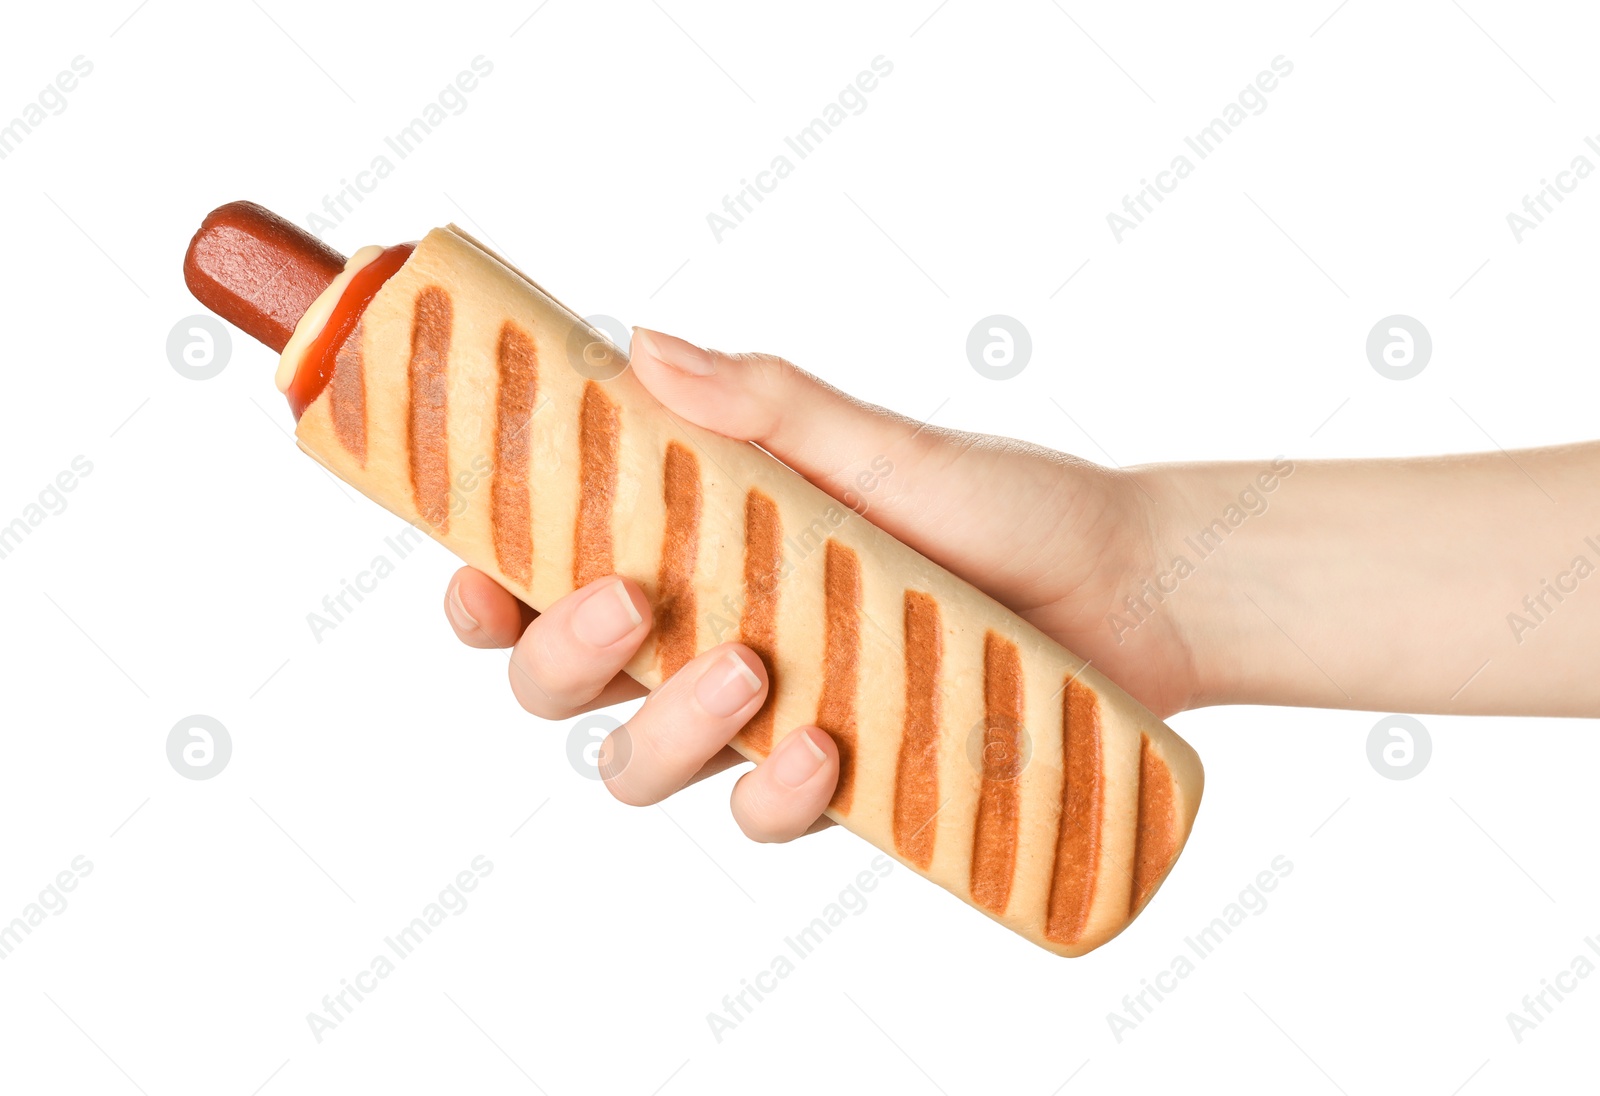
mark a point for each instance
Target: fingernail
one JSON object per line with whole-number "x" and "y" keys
{"x": 606, "y": 616}
{"x": 727, "y": 686}
{"x": 683, "y": 356}
{"x": 457, "y": 611}
{"x": 795, "y": 764}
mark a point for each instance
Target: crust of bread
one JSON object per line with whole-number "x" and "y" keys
{"x": 487, "y": 293}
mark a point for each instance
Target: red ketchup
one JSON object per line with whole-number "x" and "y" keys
{"x": 316, "y": 367}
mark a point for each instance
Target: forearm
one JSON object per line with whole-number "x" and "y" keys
{"x": 1449, "y": 584}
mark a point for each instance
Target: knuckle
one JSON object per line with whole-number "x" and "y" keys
{"x": 771, "y": 382}
{"x": 776, "y": 376}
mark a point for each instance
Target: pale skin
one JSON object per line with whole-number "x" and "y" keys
{"x": 1442, "y": 584}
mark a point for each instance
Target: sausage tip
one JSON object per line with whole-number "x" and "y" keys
{"x": 257, "y": 270}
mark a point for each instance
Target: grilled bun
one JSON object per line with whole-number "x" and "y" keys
{"x": 973, "y": 747}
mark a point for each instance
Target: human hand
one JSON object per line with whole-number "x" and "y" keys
{"x": 1050, "y": 536}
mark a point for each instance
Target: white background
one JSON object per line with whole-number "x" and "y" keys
{"x": 369, "y": 768}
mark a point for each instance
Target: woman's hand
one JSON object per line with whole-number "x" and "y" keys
{"x": 1059, "y": 540}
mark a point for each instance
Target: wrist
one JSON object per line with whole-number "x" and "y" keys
{"x": 1213, "y": 524}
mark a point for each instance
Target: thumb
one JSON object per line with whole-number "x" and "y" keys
{"x": 849, "y": 448}
{"x": 943, "y": 492}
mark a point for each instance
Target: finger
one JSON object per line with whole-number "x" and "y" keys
{"x": 838, "y": 442}
{"x": 943, "y": 492}
{"x": 568, "y": 658}
{"x": 684, "y": 724}
{"x": 726, "y": 759}
{"x": 482, "y": 612}
{"x": 782, "y": 798}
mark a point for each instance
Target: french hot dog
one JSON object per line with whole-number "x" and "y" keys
{"x": 441, "y": 382}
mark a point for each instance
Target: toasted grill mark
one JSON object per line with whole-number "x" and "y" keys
{"x": 1072, "y": 887}
{"x": 427, "y": 423}
{"x": 347, "y": 398}
{"x": 916, "y": 775}
{"x": 758, "y": 625}
{"x": 511, "y": 516}
{"x": 841, "y": 661}
{"x": 994, "y": 838}
{"x": 599, "y": 424}
{"x": 675, "y": 599}
{"x": 1156, "y": 840}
